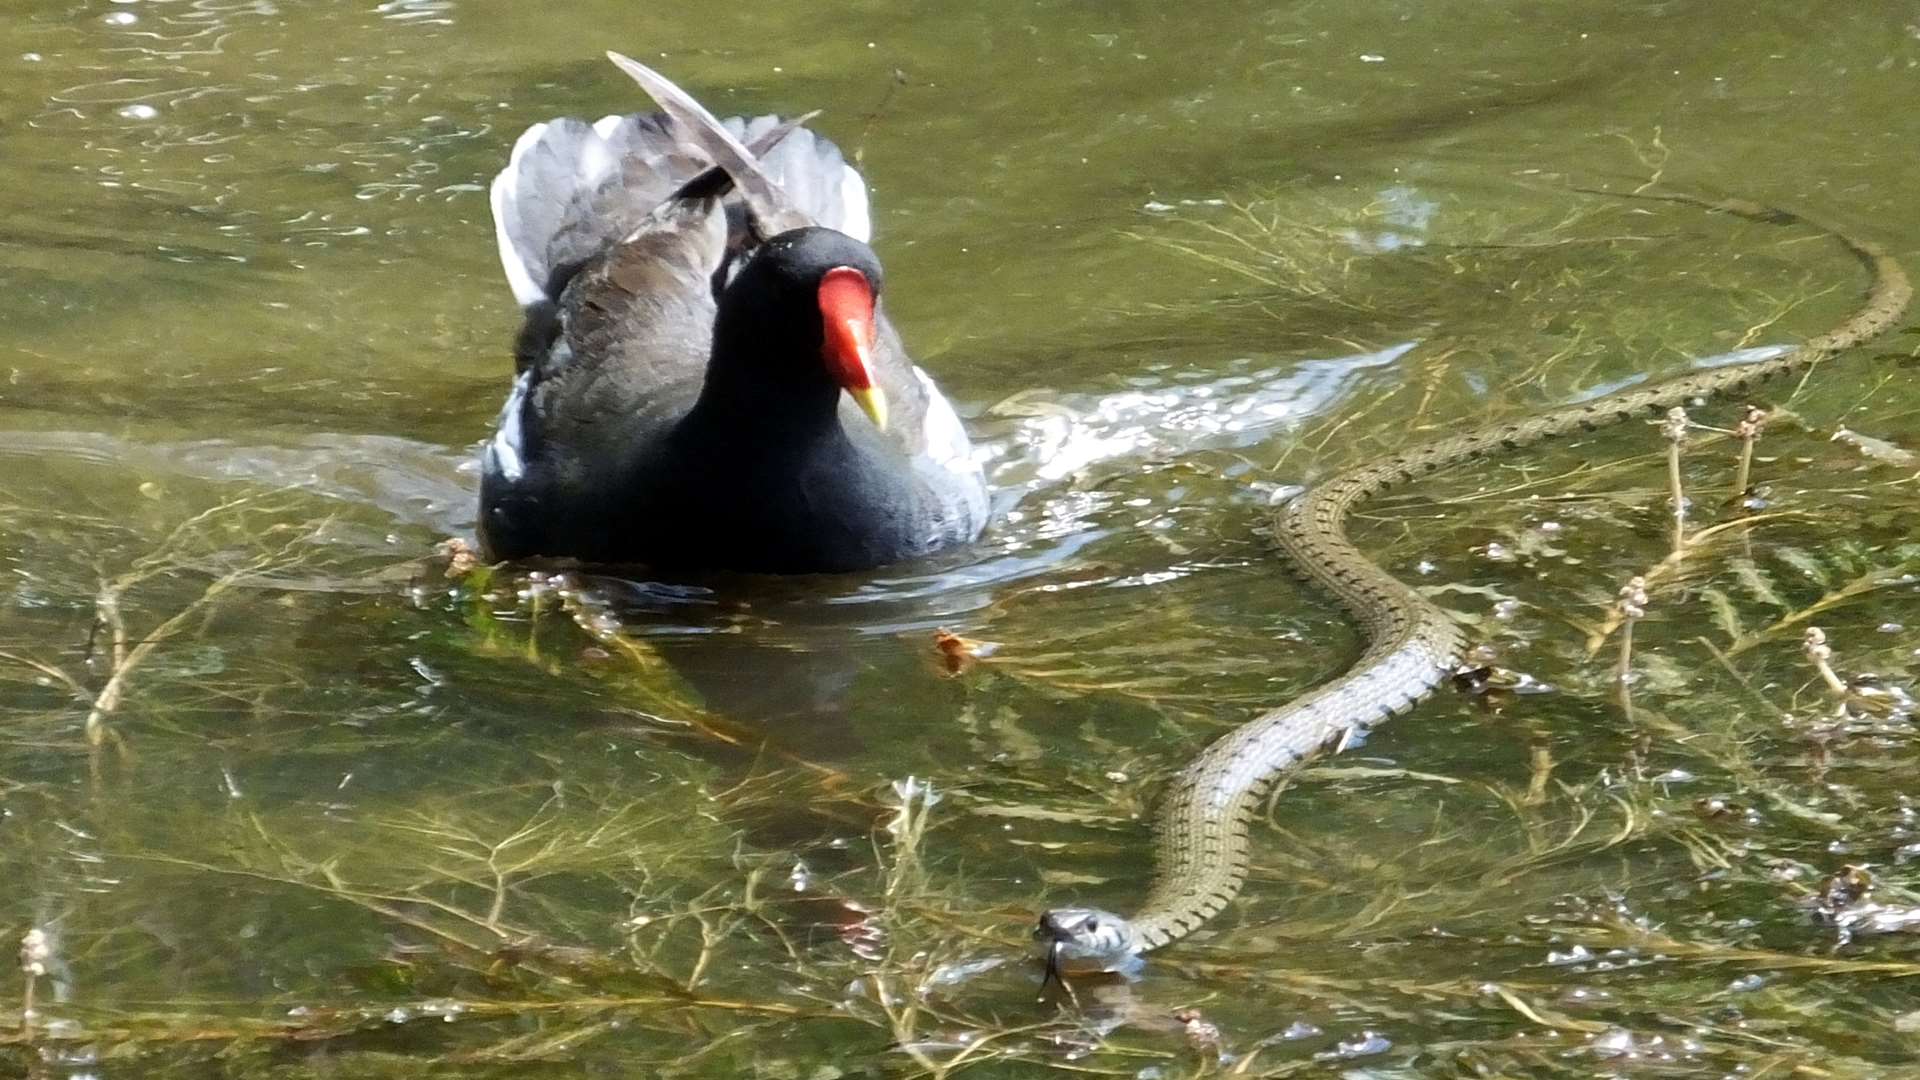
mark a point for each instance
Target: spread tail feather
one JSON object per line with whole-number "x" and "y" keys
{"x": 571, "y": 189}
{"x": 764, "y": 197}
{"x": 803, "y": 180}
{"x": 810, "y": 169}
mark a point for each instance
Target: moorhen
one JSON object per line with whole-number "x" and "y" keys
{"x": 707, "y": 378}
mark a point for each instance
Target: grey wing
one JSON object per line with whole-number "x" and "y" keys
{"x": 571, "y": 189}
{"x": 623, "y": 347}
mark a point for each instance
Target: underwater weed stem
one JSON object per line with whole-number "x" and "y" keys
{"x": 908, "y": 827}
{"x": 1540, "y": 773}
{"x": 1632, "y": 607}
{"x": 127, "y": 661}
{"x": 35, "y": 951}
{"x": 1671, "y": 563}
{"x": 1876, "y": 578}
{"x": 1675, "y": 430}
{"x": 1748, "y": 432}
{"x": 1820, "y": 654}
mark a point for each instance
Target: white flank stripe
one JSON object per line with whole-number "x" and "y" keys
{"x": 947, "y": 441}
{"x": 503, "y": 453}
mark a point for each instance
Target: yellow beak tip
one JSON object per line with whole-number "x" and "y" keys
{"x": 873, "y": 403}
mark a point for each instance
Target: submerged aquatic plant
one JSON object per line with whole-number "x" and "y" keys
{"x": 468, "y": 823}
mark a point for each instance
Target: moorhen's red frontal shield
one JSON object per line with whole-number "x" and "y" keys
{"x": 846, "y": 321}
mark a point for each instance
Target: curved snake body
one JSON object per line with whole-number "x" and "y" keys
{"x": 1201, "y": 843}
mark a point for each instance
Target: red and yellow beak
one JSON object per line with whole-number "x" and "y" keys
{"x": 846, "y": 318}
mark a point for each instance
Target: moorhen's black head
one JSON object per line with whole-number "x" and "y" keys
{"x": 799, "y": 319}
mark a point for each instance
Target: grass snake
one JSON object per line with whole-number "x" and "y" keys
{"x": 1201, "y": 846}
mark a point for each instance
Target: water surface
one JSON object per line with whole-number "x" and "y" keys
{"x": 345, "y": 813}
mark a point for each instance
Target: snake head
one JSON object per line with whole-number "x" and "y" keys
{"x": 1081, "y": 940}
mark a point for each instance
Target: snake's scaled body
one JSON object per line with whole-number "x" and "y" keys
{"x": 1201, "y": 845}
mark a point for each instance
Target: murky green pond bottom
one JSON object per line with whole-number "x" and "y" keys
{"x": 284, "y": 791}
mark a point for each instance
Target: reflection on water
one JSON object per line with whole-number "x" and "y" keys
{"x": 1233, "y": 411}
{"x": 280, "y": 786}
{"x": 416, "y": 485}
{"x": 1043, "y": 522}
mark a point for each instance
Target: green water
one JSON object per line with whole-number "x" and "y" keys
{"x": 341, "y": 814}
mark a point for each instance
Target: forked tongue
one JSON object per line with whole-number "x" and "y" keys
{"x": 1052, "y": 974}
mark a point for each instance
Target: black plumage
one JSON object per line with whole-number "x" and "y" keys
{"x": 678, "y": 402}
